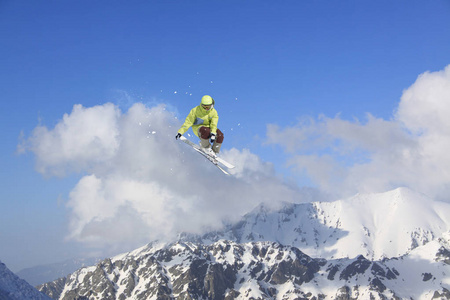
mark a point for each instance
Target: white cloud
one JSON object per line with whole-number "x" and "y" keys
{"x": 425, "y": 106}
{"x": 86, "y": 137}
{"x": 138, "y": 183}
{"x": 345, "y": 157}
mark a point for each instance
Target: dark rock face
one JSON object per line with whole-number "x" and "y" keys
{"x": 54, "y": 289}
{"x": 443, "y": 255}
{"x": 377, "y": 285}
{"x": 444, "y": 294}
{"x": 359, "y": 266}
{"x": 218, "y": 280}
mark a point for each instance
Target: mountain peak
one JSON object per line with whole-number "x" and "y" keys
{"x": 376, "y": 225}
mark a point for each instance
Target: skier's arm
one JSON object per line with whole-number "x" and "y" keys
{"x": 190, "y": 119}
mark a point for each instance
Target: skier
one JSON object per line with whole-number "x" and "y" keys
{"x": 203, "y": 119}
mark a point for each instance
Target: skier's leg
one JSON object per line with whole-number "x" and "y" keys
{"x": 218, "y": 142}
{"x": 203, "y": 134}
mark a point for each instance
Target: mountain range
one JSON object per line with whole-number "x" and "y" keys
{"x": 393, "y": 245}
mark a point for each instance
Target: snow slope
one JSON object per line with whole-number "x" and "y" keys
{"x": 377, "y": 226}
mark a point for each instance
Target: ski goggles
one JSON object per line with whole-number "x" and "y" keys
{"x": 206, "y": 106}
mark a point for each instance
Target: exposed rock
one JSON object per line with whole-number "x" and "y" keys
{"x": 426, "y": 276}
{"x": 444, "y": 295}
{"x": 443, "y": 255}
{"x": 53, "y": 290}
{"x": 359, "y": 266}
{"x": 229, "y": 270}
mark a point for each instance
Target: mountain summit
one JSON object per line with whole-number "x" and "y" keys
{"x": 378, "y": 226}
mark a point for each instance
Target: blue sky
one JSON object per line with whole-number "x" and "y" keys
{"x": 283, "y": 74}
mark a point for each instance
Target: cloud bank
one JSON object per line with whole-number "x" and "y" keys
{"x": 138, "y": 183}
{"x": 347, "y": 157}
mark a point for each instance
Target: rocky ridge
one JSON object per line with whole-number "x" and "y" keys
{"x": 257, "y": 270}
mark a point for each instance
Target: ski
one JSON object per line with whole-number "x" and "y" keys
{"x": 215, "y": 160}
{"x": 211, "y": 159}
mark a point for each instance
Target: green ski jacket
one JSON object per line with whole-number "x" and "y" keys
{"x": 200, "y": 117}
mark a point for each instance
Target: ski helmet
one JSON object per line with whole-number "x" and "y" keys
{"x": 207, "y": 100}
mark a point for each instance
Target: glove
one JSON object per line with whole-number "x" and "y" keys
{"x": 213, "y": 138}
{"x": 178, "y": 136}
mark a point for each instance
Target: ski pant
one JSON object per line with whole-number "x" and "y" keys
{"x": 204, "y": 133}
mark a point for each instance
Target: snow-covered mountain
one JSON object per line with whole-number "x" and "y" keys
{"x": 257, "y": 270}
{"x": 377, "y": 226}
{"x": 14, "y": 288}
{"x": 394, "y": 245}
